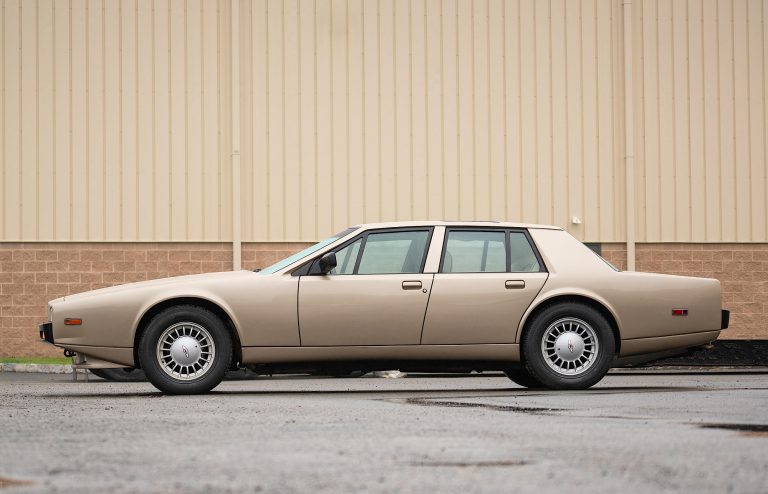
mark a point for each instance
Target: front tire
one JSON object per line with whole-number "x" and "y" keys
{"x": 185, "y": 350}
{"x": 568, "y": 346}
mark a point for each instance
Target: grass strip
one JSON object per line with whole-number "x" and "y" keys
{"x": 36, "y": 360}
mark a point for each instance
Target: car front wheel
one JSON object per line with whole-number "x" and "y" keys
{"x": 185, "y": 350}
{"x": 568, "y": 346}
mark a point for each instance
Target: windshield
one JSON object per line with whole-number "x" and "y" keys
{"x": 306, "y": 252}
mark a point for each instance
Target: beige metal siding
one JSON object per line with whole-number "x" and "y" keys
{"x": 700, "y": 80}
{"x": 113, "y": 120}
{"x": 116, "y": 117}
{"x": 366, "y": 111}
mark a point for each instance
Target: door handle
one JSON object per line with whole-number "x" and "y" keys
{"x": 512, "y": 284}
{"x": 411, "y": 285}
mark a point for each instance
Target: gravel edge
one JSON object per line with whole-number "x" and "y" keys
{"x": 37, "y": 368}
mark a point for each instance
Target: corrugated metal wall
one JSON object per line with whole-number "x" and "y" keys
{"x": 363, "y": 111}
{"x": 701, "y": 120}
{"x": 116, "y": 117}
{"x": 115, "y": 120}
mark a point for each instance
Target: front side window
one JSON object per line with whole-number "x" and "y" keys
{"x": 475, "y": 252}
{"x": 346, "y": 258}
{"x": 393, "y": 252}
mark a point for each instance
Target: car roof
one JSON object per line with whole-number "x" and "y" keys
{"x": 497, "y": 224}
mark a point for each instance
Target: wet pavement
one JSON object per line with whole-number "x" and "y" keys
{"x": 631, "y": 433}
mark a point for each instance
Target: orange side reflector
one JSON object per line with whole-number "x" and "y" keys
{"x": 73, "y": 322}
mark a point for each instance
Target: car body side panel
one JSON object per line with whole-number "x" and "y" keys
{"x": 362, "y": 309}
{"x": 123, "y": 356}
{"x": 262, "y": 308}
{"x": 640, "y": 346}
{"x": 641, "y": 303}
{"x": 469, "y": 308}
{"x": 264, "y": 355}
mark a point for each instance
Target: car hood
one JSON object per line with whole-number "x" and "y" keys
{"x": 188, "y": 280}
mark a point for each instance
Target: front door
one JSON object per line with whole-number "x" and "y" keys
{"x": 376, "y": 295}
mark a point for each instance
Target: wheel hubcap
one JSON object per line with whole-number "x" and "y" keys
{"x": 569, "y": 346}
{"x": 185, "y": 351}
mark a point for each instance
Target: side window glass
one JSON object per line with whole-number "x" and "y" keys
{"x": 475, "y": 252}
{"x": 523, "y": 259}
{"x": 346, "y": 258}
{"x": 395, "y": 252}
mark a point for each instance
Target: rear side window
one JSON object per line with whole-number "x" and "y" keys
{"x": 475, "y": 252}
{"x": 489, "y": 251}
{"x": 522, "y": 258}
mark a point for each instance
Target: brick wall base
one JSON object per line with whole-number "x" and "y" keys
{"x": 33, "y": 273}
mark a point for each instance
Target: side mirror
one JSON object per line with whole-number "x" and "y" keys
{"x": 327, "y": 262}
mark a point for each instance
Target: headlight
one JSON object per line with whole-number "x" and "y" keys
{"x": 50, "y": 314}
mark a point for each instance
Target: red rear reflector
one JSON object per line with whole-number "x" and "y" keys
{"x": 73, "y": 322}
{"x": 679, "y": 312}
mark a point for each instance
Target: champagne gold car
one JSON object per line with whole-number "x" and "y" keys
{"x": 528, "y": 300}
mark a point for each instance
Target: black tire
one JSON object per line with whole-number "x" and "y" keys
{"x": 591, "y": 328}
{"x": 521, "y": 377}
{"x": 212, "y": 352}
{"x": 126, "y": 375}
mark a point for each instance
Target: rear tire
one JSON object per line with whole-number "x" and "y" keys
{"x": 185, "y": 350}
{"x": 568, "y": 346}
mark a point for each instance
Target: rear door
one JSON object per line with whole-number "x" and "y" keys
{"x": 376, "y": 295}
{"x": 487, "y": 279}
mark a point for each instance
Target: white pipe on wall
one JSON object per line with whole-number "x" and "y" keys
{"x": 236, "y": 203}
{"x": 629, "y": 149}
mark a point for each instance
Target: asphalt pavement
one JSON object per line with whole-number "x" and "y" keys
{"x": 631, "y": 433}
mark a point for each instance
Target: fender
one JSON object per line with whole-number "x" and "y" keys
{"x": 187, "y": 293}
{"x": 565, "y": 291}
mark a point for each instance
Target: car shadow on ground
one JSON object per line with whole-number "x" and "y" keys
{"x": 416, "y": 393}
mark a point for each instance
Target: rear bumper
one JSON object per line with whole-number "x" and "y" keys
{"x": 725, "y": 317}
{"x": 46, "y": 332}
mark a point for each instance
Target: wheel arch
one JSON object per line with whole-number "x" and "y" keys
{"x": 598, "y": 305}
{"x": 201, "y": 302}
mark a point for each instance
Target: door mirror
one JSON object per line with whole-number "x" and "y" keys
{"x": 327, "y": 262}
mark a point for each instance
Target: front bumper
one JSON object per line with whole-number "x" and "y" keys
{"x": 725, "y": 317}
{"x": 46, "y": 332}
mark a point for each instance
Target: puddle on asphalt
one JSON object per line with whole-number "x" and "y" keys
{"x": 472, "y": 464}
{"x": 424, "y": 402}
{"x": 752, "y": 430}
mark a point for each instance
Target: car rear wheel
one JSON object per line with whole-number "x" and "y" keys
{"x": 568, "y": 346}
{"x": 185, "y": 350}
